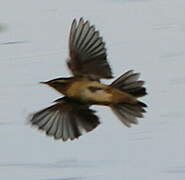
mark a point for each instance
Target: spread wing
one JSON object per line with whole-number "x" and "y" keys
{"x": 65, "y": 119}
{"x": 87, "y": 51}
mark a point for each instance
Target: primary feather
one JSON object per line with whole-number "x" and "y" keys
{"x": 87, "y": 51}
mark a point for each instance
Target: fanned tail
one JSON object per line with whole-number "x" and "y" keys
{"x": 128, "y": 113}
{"x": 129, "y": 82}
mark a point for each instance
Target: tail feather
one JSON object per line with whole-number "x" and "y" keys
{"x": 137, "y": 92}
{"x": 128, "y": 113}
{"x": 121, "y": 78}
{"x": 135, "y": 84}
{"x": 133, "y": 110}
{"x": 129, "y": 83}
{"x": 123, "y": 117}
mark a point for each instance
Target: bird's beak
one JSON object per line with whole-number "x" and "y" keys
{"x": 43, "y": 82}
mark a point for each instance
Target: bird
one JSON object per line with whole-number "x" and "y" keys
{"x": 72, "y": 115}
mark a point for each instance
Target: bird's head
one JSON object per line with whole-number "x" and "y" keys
{"x": 59, "y": 84}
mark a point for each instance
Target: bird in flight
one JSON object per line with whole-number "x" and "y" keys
{"x": 70, "y": 116}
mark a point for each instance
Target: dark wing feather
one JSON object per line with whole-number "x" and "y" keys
{"x": 65, "y": 119}
{"x": 87, "y": 51}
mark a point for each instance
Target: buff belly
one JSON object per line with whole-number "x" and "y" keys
{"x": 81, "y": 90}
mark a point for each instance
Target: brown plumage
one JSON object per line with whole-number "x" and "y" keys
{"x": 71, "y": 115}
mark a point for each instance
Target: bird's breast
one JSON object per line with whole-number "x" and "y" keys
{"x": 92, "y": 91}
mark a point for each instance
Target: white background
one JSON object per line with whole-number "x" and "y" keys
{"x": 145, "y": 35}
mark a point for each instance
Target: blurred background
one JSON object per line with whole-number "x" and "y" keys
{"x": 145, "y": 35}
